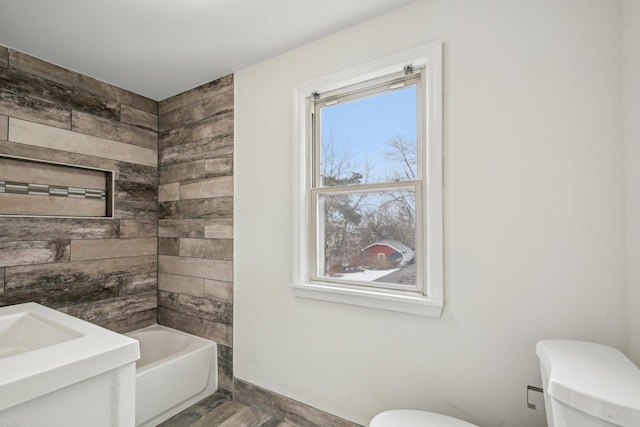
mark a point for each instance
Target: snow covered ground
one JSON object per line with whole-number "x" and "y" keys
{"x": 367, "y": 275}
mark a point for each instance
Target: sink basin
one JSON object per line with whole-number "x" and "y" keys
{"x": 43, "y": 350}
{"x": 28, "y": 331}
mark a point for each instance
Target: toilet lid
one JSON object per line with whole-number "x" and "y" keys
{"x": 414, "y": 418}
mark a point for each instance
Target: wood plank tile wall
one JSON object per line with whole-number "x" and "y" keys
{"x": 101, "y": 270}
{"x": 195, "y": 226}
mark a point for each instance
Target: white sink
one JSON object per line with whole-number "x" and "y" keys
{"x": 28, "y": 331}
{"x": 43, "y": 351}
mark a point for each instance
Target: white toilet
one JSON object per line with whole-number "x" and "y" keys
{"x": 588, "y": 385}
{"x": 414, "y": 418}
{"x": 585, "y": 385}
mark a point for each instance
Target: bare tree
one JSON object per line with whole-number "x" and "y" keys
{"x": 341, "y": 212}
{"x": 355, "y": 220}
{"x": 395, "y": 217}
{"x": 403, "y": 151}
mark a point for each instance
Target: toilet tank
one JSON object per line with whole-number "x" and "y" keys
{"x": 588, "y": 385}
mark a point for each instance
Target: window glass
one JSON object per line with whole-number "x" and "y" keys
{"x": 371, "y": 139}
{"x": 368, "y": 237}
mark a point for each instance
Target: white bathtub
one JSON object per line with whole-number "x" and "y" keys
{"x": 175, "y": 371}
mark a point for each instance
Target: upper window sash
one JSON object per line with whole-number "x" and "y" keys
{"x": 360, "y": 91}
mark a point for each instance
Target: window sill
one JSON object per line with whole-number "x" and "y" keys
{"x": 406, "y": 302}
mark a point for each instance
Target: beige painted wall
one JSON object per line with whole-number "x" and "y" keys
{"x": 631, "y": 129}
{"x": 534, "y": 215}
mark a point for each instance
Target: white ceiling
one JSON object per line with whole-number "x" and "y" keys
{"x": 159, "y": 48}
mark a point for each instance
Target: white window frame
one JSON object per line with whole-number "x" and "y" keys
{"x": 430, "y": 301}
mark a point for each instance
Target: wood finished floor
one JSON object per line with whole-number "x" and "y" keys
{"x": 219, "y": 410}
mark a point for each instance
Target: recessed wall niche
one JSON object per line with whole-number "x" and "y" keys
{"x": 35, "y": 188}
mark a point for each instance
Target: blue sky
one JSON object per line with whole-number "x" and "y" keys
{"x": 366, "y": 124}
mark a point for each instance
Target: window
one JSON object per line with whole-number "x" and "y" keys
{"x": 368, "y": 184}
